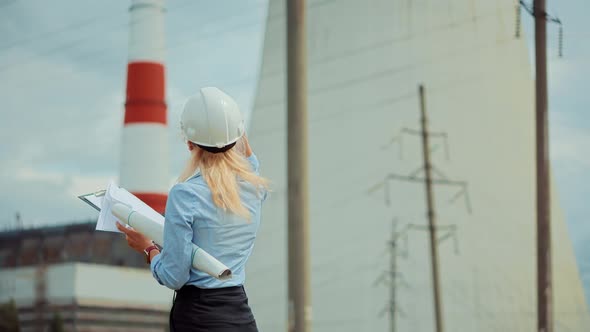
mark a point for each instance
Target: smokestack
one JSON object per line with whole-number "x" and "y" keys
{"x": 144, "y": 153}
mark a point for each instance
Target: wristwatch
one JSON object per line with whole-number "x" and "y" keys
{"x": 148, "y": 250}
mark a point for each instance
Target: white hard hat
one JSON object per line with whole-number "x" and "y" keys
{"x": 212, "y": 119}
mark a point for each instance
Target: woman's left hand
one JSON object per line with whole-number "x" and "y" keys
{"x": 135, "y": 239}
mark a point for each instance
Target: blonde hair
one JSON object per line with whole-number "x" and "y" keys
{"x": 221, "y": 172}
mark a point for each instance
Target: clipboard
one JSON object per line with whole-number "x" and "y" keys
{"x": 94, "y": 199}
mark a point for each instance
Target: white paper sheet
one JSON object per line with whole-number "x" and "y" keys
{"x": 96, "y": 200}
{"x": 107, "y": 221}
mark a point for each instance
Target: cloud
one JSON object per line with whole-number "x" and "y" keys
{"x": 570, "y": 145}
{"x": 62, "y": 97}
{"x": 63, "y": 106}
{"x": 63, "y": 129}
{"x": 571, "y": 164}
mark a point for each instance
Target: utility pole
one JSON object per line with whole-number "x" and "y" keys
{"x": 544, "y": 282}
{"x": 391, "y": 276}
{"x": 431, "y": 215}
{"x": 393, "y": 271}
{"x": 299, "y": 306}
{"x": 428, "y": 169}
{"x": 40, "y": 287}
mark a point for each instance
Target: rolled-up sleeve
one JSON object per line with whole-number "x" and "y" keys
{"x": 171, "y": 268}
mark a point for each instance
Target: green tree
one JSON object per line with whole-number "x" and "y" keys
{"x": 9, "y": 317}
{"x": 57, "y": 324}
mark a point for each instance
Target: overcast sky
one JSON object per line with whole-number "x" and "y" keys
{"x": 62, "y": 70}
{"x": 62, "y": 78}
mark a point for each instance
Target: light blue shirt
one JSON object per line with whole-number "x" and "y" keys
{"x": 192, "y": 217}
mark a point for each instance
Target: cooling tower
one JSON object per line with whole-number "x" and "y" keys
{"x": 366, "y": 60}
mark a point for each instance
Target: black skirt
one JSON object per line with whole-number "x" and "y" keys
{"x": 213, "y": 310}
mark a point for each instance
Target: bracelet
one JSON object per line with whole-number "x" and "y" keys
{"x": 148, "y": 251}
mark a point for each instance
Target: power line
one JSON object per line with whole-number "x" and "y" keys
{"x": 437, "y": 58}
{"x": 69, "y": 27}
{"x": 7, "y": 3}
{"x": 44, "y": 35}
{"x": 386, "y": 43}
{"x": 429, "y": 181}
{"x": 238, "y": 82}
{"x": 390, "y": 278}
{"x": 172, "y": 46}
{"x": 69, "y": 45}
{"x": 529, "y": 8}
{"x": 377, "y": 106}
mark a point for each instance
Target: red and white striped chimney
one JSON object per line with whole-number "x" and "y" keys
{"x": 144, "y": 159}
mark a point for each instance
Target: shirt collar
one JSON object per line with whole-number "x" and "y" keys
{"x": 195, "y": 175}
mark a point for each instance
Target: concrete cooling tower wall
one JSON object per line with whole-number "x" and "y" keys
{"x": 366, "y": 60}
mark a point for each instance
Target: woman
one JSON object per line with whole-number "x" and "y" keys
{"x": 215, "y": 205}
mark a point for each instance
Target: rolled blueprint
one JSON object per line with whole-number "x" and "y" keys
{"x": 201, "y": 260}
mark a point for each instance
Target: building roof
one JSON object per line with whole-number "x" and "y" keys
{"x": 77, "y": 242}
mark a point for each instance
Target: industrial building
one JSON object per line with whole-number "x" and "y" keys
{"x": 92, "y": 279}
